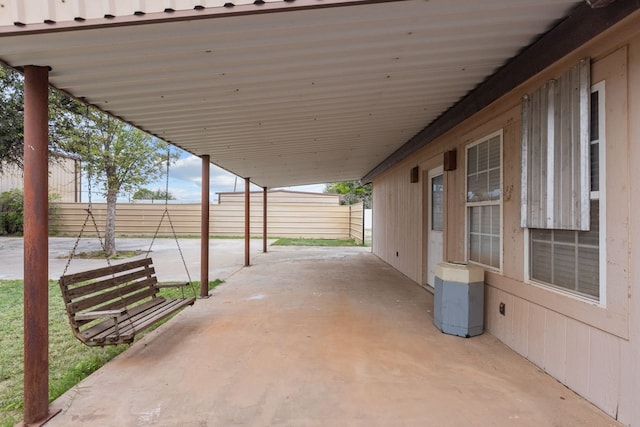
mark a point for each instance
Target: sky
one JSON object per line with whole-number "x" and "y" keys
{"x": 185, "y": 182}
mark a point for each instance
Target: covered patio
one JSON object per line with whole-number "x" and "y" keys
{"x": 286, "y": 93}
{"x": 319, "y": 336}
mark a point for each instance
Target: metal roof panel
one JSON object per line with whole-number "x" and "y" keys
{"x": 288, "y": 98}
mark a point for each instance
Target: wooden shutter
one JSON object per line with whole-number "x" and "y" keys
{"x": 555, "y": 152}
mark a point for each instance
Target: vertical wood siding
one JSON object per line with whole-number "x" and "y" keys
{"x": 582, "y": 357}
{"x": 630, "y": 351}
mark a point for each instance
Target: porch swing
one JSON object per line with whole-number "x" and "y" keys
{"x": 110, "y": 305}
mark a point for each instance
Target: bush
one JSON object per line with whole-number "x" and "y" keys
{"x": 12, "y": 212}
{"x": 54, "y": 215}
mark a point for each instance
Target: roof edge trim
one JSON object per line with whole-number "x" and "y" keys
{"x": 180, "y": 15}
{"x": 582, "y": 25}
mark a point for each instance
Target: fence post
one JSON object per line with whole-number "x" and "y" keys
{"x": 204, "y": 229}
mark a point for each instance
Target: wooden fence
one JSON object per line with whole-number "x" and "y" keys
{"x": 283, "y": 220}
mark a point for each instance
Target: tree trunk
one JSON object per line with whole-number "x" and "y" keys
{"x": 110, "y": 230}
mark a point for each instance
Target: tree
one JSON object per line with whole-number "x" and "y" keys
{"x": 119, "y": 159}
{"x": 146, "y": 194}
{"x": 11, "y": 118}
{"x": 351, "y": 192}
{"x": 63, "y": 119}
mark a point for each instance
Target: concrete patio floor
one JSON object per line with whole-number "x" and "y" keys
{"x": 319, "y": 337}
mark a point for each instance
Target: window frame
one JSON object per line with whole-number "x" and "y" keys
{"x": 498, "y": 202}
{"x": 599, "y": 195}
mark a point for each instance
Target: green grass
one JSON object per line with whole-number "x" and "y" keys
{"x": 314, "y": 242}
{"x": 188, "y": 290}
{"x": 69, "y": 360}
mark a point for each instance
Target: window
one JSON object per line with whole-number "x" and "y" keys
{"x": 437, "y": 203}
{"x": 571, "y": 259}
{"x": 484, "y": 195}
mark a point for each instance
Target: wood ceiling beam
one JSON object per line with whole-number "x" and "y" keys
{"x": 585, "y": 22}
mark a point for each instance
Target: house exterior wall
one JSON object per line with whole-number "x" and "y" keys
{"x": 592, "y": 348}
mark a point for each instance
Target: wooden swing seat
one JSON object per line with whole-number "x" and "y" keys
{"x": 109, "y": 305}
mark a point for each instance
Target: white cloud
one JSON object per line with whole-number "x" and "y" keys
{"x": 225, "y": 179}
{"x": 187, "y": 169}
{"x": 311, "y": 188}
{"x": 190, "y": 169}
{"x": 185, "y": 193}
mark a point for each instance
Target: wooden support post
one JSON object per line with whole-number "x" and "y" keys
{"x": 36, "y": 245}
{"x": 247, "y": 221}
{"x": 264, "y": 220}
{"x": 204, "y": 229}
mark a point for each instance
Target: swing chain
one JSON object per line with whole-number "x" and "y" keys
{"x": 165, "y": 213}
{"x": 75, "y": 246}
{"x": 173, "y": 230}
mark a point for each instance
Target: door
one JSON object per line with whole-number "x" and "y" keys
{"x": 435, "y": 222}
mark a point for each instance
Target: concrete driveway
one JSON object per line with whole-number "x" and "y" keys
{"x": 226, "y": 256}
{"x": 318, "y": 337}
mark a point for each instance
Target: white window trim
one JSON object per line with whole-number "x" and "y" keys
{"x": 602, "y": 194}
{"x": 484, "y": 203}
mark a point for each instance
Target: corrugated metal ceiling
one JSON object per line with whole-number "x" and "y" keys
{"x": 293, "y": 97}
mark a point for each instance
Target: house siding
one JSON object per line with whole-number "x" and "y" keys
{"x": 593, "y": 349}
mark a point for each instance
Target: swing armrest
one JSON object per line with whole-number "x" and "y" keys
{"x": 171, "y": 285}
{"x": 90, "y": 315}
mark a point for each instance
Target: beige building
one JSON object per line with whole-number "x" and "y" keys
{"x": 572, "y": 298}
{"x": 64, "y": 179}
